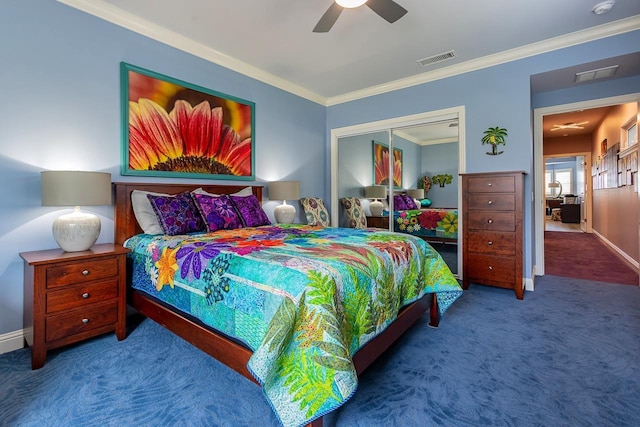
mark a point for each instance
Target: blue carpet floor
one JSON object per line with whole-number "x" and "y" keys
{"x": 567, "y": 355}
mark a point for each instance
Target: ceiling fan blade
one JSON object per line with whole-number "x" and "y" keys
{"x": 328, "y": 19}
{"x": 387, "y": 9}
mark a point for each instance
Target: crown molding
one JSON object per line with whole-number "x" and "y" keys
{"x": 146, "y": 28}
{"x": 117, "y": 16}
{"x": 590, "y": 34}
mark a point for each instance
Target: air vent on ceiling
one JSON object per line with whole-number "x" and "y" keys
{"x": 437, "y": 58}
{"x": 600, "y": 73}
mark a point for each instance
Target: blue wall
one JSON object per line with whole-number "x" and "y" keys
{"x": 61, "y": 110}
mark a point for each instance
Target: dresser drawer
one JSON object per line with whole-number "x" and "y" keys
{"x": 488, "y": 268}
{"x": 77, "y": 321}
{"x": 491, "y": 221}
{"x": 79, "y": 272}
{"x": 494, "y": 243}
{"x": 78, "y": 296}
{"x": 492, "y": 202}
{"x": 495, "y": 184}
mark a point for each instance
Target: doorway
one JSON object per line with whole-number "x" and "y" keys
{"x": 539, "y": 168}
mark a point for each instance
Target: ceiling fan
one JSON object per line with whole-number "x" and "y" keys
{"x": 387, "y": 9}
{"x": 569, "y": 126}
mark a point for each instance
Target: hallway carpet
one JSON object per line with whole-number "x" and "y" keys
{"x": 584, "y": 256}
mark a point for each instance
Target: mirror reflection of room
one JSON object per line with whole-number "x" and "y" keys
{"x": 563, "y": 204}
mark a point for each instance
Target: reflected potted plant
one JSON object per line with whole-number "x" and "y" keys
{"x": 495, "y": 136}
{"x": 442, "y": 179}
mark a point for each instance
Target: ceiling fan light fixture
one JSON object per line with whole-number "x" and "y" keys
{"x": 351, "y": 3}
{"x": 603, "y": 7}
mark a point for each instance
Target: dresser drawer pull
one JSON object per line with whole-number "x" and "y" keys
{"x": 490, "y": 268}
{"x": 85, "y": 295}
{"x": 85, "y": 321}
{"x": 490, "y": 202}
{"x": 490, "y": 243}
{"x": 85, "y": 272}
{"x": 490, "y": 221}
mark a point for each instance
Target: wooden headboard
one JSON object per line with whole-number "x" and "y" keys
{"x": 124, "y": 220}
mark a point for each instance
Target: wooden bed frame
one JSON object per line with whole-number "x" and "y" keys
{"x": 224, "y": 349}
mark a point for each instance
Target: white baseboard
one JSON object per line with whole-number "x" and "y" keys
{"x": 12, "y": 341}
{"x": 622, "y": 253}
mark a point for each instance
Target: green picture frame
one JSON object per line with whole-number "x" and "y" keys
{"x": 380, "y": 158}
{"x": 174, "y": 129}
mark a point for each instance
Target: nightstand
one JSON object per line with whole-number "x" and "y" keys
{"x": 378, "y": 222}
{"x": 72, "y": 296}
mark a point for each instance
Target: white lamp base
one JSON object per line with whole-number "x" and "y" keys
{"x": 77, "y": 231}
{"x": 376, "y": 208}
{"x": 284, "y": 214}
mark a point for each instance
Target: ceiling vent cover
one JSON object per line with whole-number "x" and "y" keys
{"x": 437, "y": 58}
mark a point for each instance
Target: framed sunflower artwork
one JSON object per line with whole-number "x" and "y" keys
{"x": 175, "y": 129}
{"x": 381, "y": 173}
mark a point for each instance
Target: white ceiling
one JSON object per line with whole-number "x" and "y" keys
{"x": 272, "y": 40}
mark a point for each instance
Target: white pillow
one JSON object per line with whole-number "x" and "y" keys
{"x": 144, "y": 212}
{"x": 247, "y": 191}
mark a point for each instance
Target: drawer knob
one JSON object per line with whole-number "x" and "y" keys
{"x": 490, "y": 202}
{"x": 85, "y": 272}
{"x": 490, "y": 184}
{"x": 85, "y": 295}
{"x": 490, "y": 243}
{"x": 85, "y": 321}
{"x": 490, "y": 268}
{"x": 490, "y": 221}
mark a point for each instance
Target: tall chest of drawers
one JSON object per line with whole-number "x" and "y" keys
{"x": 492, "y": 209}
{"x": 72, "y": 296}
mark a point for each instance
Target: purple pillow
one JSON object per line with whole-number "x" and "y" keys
{"x": 409, "y": 202}
{"x": 250, "y": 211}
{"x": 218, "y": 212}
{"x": 177, "y": 214}
{"x": 399, "y": 204}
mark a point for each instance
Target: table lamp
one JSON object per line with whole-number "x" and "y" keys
{"x": 76, "y": 231}
{"x": 284, "y": 190}
{"x": 375, "y": 192}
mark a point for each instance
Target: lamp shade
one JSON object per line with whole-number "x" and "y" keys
{"x": 554, "y": 184}
{"x": 375, "y": 192}
{"x": 416, "y": 193}
{"x": 77, "y": 231}
{"x": 284, "y": 190}
{"x": 75, "y": 188}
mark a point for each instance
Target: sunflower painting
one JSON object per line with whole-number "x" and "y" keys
{"x": 381, "y": 165}
{"x": 175, "y": 129}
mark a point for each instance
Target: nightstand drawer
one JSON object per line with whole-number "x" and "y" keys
{"x": 492, "y": 202}
{"x": 79, "y": 296}
{"x": 77, "y": 321}
{"x": 490, "y": 269}
{"x": 493, "y": 184}
{"x": 491, "y": 221}
{"x": 79, "y": 272}
{"x": 494, "y": 243}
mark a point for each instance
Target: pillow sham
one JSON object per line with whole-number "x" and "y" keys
{"x": 408, "y": 201}
{"x": 177, "y": 214}
{"x": 399, "y": 203}
{"x": 247, "y": 191}
{"x": 251, "y": 213}
{"x": 357, "y": 219}
{"x": 144, "y": 212}
{"x": 315, "y": 211}
{"x": 218, "y": 212}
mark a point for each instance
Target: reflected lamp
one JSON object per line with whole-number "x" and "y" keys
{"x": 76, "y": 231}
{"x": 556, "y": 184}
{"x": 375, "y": 192}
{"x": 284, "y": 190}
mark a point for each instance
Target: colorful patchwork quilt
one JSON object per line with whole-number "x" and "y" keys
{"x": 304, "y": 299}
{"x": 441, "y": 223}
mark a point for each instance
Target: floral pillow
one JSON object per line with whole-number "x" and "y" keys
{"x": 177, "y": 214}
{"x": 408, "y": 201}
{"x": 218, "y": 212}
{"x": 357, "y": 219}
{"x": 402, "y": 202}
{"x": 251, "y": 213}
{"x": 315, "y": 211}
